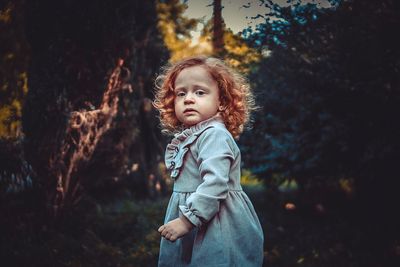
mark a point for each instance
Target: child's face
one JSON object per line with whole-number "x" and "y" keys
{"x": 196, "y": 95}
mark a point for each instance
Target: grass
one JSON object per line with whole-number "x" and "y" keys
{"x": 123, "y": 233}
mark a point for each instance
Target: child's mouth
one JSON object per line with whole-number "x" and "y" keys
{"x": 189, "y": 110}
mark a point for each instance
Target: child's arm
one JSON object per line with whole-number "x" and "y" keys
{"x": 176, "y": 228}
{"x": 215, "y": 156}
{"x": 214, "y": 159}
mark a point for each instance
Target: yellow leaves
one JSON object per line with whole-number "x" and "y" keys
{"x": 240, "y": 55}
{"x": 5, "y": 14}
{"x": 18, "y": 107}
{"x": 14, "y": 59}
{"x": 234, "y": 44}
{"x": 249, "y": 179}
{"x": 23, "y": 82}
{"x": 347, "y": 185}
{"x": 182, "y": 47}
{"x": 10, "y": 124}
{"x": 10, "y": 113}
{"x": 175, "y": 30}
{"x": 4, "y": 114}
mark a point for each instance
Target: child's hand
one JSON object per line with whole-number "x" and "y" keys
{"x": 175, "y": 228}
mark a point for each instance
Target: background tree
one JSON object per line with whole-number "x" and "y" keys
{"x": 74, "y": 47}
{"x": 330, "y": 92}
{"x": 218, "y": 29}
{"x": 215, "y": 38}
{"x": 176, "y": 28}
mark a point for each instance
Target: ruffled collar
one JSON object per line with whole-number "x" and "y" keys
{"x": 178, "y": 147}
{"x": 199, "y": 127}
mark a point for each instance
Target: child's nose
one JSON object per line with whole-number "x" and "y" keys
{"x": 189, "y": 99}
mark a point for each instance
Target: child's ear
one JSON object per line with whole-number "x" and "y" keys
{"x": 221, "y": 108}
{"x": 221, "y": 104}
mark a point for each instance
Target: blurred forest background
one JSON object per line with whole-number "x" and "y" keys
{"x": 82, "y": 179}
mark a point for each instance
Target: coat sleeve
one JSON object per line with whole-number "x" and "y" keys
{"x": 215, "y": 157}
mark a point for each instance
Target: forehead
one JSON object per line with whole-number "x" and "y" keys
{"x": 194, "y": 74}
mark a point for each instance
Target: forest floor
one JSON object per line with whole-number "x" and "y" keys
{"x": 124, "y": 233}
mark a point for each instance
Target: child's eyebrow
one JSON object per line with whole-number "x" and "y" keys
{"x": 195, "y": 87}
{"x": 202, "y": 87}
{"x": 179, "y": 88}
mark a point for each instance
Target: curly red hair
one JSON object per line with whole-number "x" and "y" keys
{"x": 235, "y": 96}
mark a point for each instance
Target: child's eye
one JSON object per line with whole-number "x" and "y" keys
{"x": 200, "y": 92}
{"x": 180, "y": 94}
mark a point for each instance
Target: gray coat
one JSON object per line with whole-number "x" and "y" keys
{"x": 205, "y": 165}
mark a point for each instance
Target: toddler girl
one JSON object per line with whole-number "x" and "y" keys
{"x": 209, "y": 221}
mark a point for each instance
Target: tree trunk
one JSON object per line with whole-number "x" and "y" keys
{"x": 218, "y": 31}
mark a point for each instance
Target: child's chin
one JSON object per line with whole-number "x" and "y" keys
{"x": 191, "y": 122}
